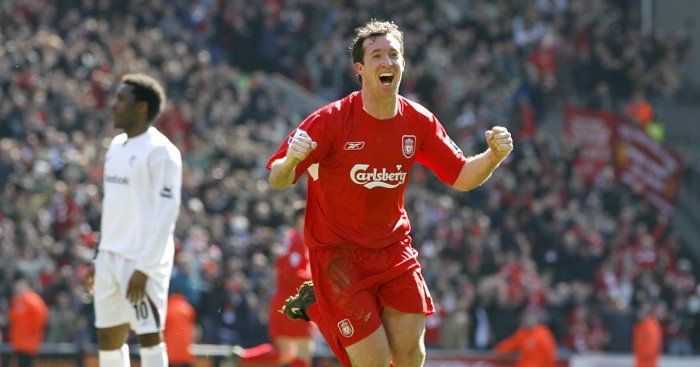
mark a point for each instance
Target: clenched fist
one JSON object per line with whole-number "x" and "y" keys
{"x": 300, "y": 146}
{"x": 500, "y": 142}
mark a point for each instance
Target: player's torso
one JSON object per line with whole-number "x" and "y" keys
{"x": 362, "y": 180}
{"x": 372, "y": 155}
{"x": 126, "y": 168}
{"x": 292, "y": 256}
{"x": 127, "y": 190}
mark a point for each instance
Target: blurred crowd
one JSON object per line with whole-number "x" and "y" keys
{"x": 537, "y": 236}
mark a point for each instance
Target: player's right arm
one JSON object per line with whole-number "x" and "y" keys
{"x": 283, "y": 170}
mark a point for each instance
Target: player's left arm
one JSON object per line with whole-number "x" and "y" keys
{"x": 165, "y": 169}
{"x": 478, "y": 169}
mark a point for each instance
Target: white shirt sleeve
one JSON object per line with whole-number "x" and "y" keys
{"x": 165, "y": 169}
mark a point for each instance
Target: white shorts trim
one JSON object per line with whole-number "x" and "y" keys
{"x": 112, "y": 308}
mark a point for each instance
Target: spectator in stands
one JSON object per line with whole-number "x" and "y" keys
{"x": 601, "y": 98}
{"x": 326, "y": 66}
{"x": 694, "y": 318}
{"x": 184, "y": 278}
{"x": 456, "y": 301}
{"x": 60, "y": 60}
{"x": 62, "y": 320}
{"x": 27, "y": 317}
{"x": 619, "y": 321}
{"x": 676, "y": 328}
{"x": 640, "y": 109}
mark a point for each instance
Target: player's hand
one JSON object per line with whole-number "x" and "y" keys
{"x": 299, "y": 148}
{"x": 90, "y": 280}
{"x": 137, "y": 286}
{"x": 500, "y": 142}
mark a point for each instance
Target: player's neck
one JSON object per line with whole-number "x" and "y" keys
{"x": 381, "y": 108}
{"x": 136, "y": 130}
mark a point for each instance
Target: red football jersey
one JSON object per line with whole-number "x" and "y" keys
{"x": 357, "y": 196}
{"x": 292, "y": 268}
{"x": 292, "y": 265}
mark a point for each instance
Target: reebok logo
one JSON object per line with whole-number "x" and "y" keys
{"x": 361, "y": 175}
{"x": 354, "y": 145}
{"x": 117, "y": 180}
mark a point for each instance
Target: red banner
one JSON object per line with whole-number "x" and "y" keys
{"x": 590, "y": 132}
{"x": 605, "y": 138}
{"x": 646, "y": 166}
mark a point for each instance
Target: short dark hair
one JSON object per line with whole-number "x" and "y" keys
{"x": 147, "y": 89}
{"x": 372, "y": 29}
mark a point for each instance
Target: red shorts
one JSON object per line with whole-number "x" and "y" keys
{"x": 353, "y": 285}
{"x": 282, "y": 326}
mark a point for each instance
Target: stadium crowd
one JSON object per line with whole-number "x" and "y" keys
{"x": 537, "y": 236}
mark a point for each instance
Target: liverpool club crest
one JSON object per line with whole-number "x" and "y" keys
{"x": 408, "y": 145}
{"x": 346, "y": 328}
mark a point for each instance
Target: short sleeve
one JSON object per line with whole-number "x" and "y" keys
{"x": 314, "y": 126}
{"x": 440, "y": 153}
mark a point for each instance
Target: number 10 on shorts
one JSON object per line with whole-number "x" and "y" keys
{"x": 146, "y": 317}
{"x": 141, "y": 311}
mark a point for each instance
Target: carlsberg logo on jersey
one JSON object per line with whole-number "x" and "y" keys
{"x": 370, "y": 179}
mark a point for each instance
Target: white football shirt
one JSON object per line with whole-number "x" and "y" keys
{"x": 142, "y": 182}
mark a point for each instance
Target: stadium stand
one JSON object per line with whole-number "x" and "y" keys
{"x": 586, "y": 253}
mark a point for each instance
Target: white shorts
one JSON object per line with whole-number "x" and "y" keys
{"x": 112, "y": 308}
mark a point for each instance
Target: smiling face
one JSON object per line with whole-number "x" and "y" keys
{"x": 382, "y": 65}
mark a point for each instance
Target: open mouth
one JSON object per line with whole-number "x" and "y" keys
{"x": 386, "y": 78}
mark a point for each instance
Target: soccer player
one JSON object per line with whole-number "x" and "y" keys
{"x": 293, "y": 343}
{"x": 142, "y": 180}
{"x": 370, "y": 296}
